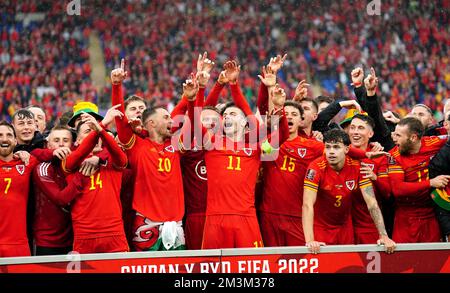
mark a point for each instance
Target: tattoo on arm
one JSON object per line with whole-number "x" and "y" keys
{"x": 375, "y": 211}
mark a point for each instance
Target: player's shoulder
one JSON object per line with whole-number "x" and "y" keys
{"x": 395, "y": 153}
{"x": 352, "y": 162}
{"x": 431, "y": 141}
{"x": 319, "y": 163}
{"x": 44, "y": 169}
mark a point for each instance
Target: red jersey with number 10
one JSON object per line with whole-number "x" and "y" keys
{"x": 158, "y": 186}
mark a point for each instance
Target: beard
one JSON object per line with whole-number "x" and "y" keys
{"x": 406, "y": 148}
{"x": 4, "y": 152}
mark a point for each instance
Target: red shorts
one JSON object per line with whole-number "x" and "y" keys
{"x": 334, "y": 235}
{"x": 231, "y": 231}
{"x": 366, "y": 235}
{"x": 414, "y": 229}
{"x": 13, "y": 250}
{"x": 281, "y": 230}
{"x": 116, "y": 243}
{"x": 193, "y": 230}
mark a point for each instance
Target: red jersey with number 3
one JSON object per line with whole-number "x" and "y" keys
{"x": 232, "y": 179}
{"x": 334, "y": 190}
{"x": 14, "y": 188}
{"x": 158, "y": 186}
{"x": 283, "y": 177}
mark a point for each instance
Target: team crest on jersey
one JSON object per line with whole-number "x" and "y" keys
{"x": 170, "y": 149}
{"x": 372, "y": 166}
{"x": 310, "y": 174}
{"x": 301, "y": 152}
{"x": 20, "y": 169}
{"x": 248, "y": 151}
{"x": 350, "y": 184}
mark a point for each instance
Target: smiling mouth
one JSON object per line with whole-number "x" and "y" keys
{"x": 228, "y": 124}
{"x": 4, "y": 145}
{"x": 290, "y": 124}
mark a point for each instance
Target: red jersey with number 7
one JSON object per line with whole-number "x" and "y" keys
{"x": 14, "y": 188}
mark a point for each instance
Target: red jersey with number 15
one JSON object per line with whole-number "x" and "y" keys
{"x": 283, "y": 177}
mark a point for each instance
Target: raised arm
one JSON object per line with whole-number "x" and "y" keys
{"x": 124, "y": 130}
{"x": 74, "y": 160}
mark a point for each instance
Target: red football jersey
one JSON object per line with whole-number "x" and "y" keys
{"x": 232, "y": 179}
{"x": 382, "y": 189}
{"x": 334, "y": 190}
{"x": 283, "y": 177}
{"x": 195, "y": 181}
{"x": 52, "y": 225}
{"x": 409, "y": 174}
{"x": 14, "y": 188}
{"x": 97, "y": 211}
{"x": 158, "y": 186}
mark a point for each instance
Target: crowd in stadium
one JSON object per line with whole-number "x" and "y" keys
{"x": 174, "y": 164}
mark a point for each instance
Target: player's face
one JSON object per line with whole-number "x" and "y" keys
{"x": 135, "y": 109}
{"x": 7, "y": 141}
{"x": 39, "y": 118}
{"x": 360, "y": 132}
{"x": 25, "y": 129}
{"x": 293, "y": 117}
{"x": 423, "y": 115}
{"x": 322, "y": 106}
{"x": 233, "y": 120}
{"x": 403, "y": 139}
{"x": 161, "y": 122}
{"x": 335, "y": 152}
{"x": 210, "y": 119}
{"x": 59, "y": 138}
{"x": 309, "y": 114}
{"x": 83, "y": 133}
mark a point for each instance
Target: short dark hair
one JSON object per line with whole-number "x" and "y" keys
{"x": 133, "y": 98}
{"x": 313, "y": 102}
{"x": 149, "y": 112}
{"x": 296, "y": 105}
{"x": 336, "y": 136}
{"x": 22, "y": 114}
{"x": 365, "y": 118}
{"x": 229, "y": 105}
{"x": 322, "y": 99}
{"x": 65, "y": 117}
{"x": 7, "y": 124}
{"x": 414, "y": 125}
{"x": 212, "y": 108}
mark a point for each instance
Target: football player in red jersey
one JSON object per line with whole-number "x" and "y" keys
{"x": 155, "y": 161}
{"x": 232, "y": 162}
{"x": 330, "y": 183}
{"x": 281, "y": 203}
{"x": 360, "y": 131}
{"x": 414, "y": 220}
{"x": 97, "y": 212}
{"x": 15, "y": 184}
